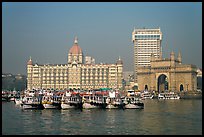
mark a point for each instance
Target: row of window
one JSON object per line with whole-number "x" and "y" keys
{"x": 147, "y": 36}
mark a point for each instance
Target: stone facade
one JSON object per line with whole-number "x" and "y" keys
{"x": 75, "y": 74}
{"x": 167, "y": 74}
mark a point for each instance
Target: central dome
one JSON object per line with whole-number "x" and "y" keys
{"x": 75, "y": 49}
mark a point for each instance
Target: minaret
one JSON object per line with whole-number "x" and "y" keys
{"x": 179, "y": 57}
{"x": 172, "y": 58}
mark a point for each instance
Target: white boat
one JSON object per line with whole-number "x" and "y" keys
{"x": 71, "y": 100}
{"x": 114, "y": 103}
{"x": 89, "y": 101}
{"x": 168, "y": 95}
{"x": 133, "y": 103}
{"x": 147, "y": 95}
{"x": 29, "y": 102}
{"x": 51, "y": 102}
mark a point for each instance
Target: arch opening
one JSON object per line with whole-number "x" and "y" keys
{"x": 162, "y": 84}
{"x": 181, "y": 87}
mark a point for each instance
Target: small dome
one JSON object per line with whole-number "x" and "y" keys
{"x": 75, "y": 49}
{"x": 30, "y": 62}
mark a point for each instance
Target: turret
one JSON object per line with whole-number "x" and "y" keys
{"x": 179, "y": 58}
{"x": 172, "y": 58}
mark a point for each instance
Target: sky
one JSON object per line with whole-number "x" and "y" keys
{"x": 46, "y": 31}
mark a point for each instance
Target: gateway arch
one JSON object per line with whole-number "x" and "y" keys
{"x": 167, "y": 74}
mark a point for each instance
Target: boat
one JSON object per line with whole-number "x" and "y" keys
{"x": 51, "y": 101}
{"x": 69, "y": 100}
{"x": 90, "y": 100}
{"x": 168, "y": 95}
{"x": 113, "y": 100}
{"x": 4, "y": 96}
{"x": 131, "y": 102}
{"x": 146, "y": 95}
{"x": 31, "y": 102}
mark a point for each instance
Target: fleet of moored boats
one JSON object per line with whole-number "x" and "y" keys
{"x": 105, "y": 99}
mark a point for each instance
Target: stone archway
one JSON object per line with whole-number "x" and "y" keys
{"x": 162, "y": 83}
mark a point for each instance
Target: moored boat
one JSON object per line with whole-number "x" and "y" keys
{"x": 147, "y": 95}
{"x": 113, "y": 100}
{"x": 70, "y": 100}
{"x": 90, "y": 100}
{"x": 168, "y": 95}
{"x": 132, "y": 103}
{"x": 31, "y": 102}
{"x": 51, "y": 101}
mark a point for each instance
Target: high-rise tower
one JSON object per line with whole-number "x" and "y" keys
{"x": 146, "y": 42}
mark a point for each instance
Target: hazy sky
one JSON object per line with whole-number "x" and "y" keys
{"x": 46, "y": 31}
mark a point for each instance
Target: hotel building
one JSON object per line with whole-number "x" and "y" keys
{"x": 146, "y": 42}
{"x": 75, "y": 74}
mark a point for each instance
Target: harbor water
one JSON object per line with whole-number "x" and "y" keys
{"x": 159, "y": 117}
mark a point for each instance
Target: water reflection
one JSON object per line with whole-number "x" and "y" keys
{"x": 157, "y": 118}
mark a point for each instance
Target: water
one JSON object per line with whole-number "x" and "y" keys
{"x": 159, "y": 117}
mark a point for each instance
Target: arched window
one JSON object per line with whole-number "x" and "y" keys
{"x": 181, "y": 87}
{"x": 146, "y": 87}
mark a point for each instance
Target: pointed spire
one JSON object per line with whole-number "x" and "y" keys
{"x": 30, "y": 61}
{"x": 172, "y": 57}
{"x": 179, "y": 57}
{"x": 179, "y": 54}
{"x": 119, "y": 58}
{"x": 76, "y": 40}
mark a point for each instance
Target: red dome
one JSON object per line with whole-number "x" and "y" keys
{"x": 75, "y": 49}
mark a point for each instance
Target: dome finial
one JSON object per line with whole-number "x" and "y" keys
{"x": 30, "y": 58}
{"x": 76, "y": 40}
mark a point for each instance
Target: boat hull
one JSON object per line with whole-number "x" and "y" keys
{"x": 30, "y": 106}
{"x": 67, "y": 106}
{"x": 111, "y": 106}
{"x": 51, "y": 106}
{"x": 88, "y": 105}
{"x": 134, "y": 106}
